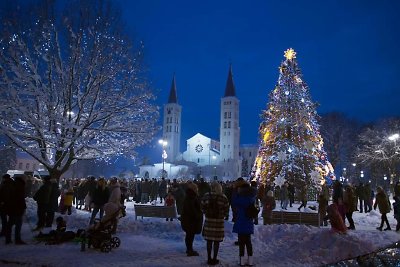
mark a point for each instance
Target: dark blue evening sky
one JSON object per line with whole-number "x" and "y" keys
{"x": 348, "y": 52}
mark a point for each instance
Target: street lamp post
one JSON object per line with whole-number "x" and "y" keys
{"x": 164, "y": 155}
{"x": 215, "y": 167}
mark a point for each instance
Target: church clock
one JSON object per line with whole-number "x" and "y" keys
{"x": 199, "y": 148}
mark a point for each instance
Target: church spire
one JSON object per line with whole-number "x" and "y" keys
{"x": 230, "y": 87}
{"x": 172, "y": 94}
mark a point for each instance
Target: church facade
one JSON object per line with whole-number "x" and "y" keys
{"x": 223, "y": 159}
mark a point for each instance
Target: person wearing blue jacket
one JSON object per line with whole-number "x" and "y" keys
{"x": 244, "y": 225}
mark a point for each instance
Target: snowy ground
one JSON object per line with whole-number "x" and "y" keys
{"x": 155, "y": 242}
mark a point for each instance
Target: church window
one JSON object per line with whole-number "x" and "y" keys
{"x": 229, "y": 115}
{"x": 198, "y": 160}
{"x": 229, "y": 124}
{"x": 225, "y": 115}
{"x": 225, "y": 124}
{"x": 169, "y": 111}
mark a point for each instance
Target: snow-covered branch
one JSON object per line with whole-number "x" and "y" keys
{"x": 72, "y": 84}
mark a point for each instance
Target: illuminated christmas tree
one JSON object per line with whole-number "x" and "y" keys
{"x": 291, "y": 146}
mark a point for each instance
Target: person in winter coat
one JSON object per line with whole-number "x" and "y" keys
{"x": 42, "y": 198}
{"x": 191, "y": 217}
{"x": 228, "y": 188}
{"x": 178, "y": 191}
{"x": 215, "y": 207}
{"x": 5, "y": 198}
{"x": 291, "y": 192}
{"x": 359, "y": 192}
{"x": 153, "y": 190}
{"x": 350, "y": 204}
{"x": 369, "y": 197}
{"x": 100, "y": 197}
{"x": 115, "y": 198}
{"x": 53, "y": 202}
{"x": 204, "y": 188}
{"x": 90, "y": 185}
{"x": 268, "y": 203}
{"x": 284, "y": 196}
{"x": 80, "y": 194}
{"x": 337, "y": 192}
{"x": 303, "y": 197}
{"x": 383, "y": 204}
{"x": 146, "y": 188}
{"x": 322, "y": 206}
{"x": 244, "y": 225}
{"x": 237, "y": 184}
{"x": 162, "y": 189}
{"x": 396, "y": 210}
{"x": 16, "y": 209}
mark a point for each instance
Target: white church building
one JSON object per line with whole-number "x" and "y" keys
{"x": 222, "y": 159}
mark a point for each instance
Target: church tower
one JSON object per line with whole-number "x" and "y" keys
{"x": 172, "y": 124}
{"x": 230, "y": 132}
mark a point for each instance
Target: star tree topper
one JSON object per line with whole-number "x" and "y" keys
{"x": 290, "y": 54}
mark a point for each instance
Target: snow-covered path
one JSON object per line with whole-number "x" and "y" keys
{"x": 154, "y": 242}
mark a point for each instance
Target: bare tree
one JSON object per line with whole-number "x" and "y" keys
{"x": 378, "y": 147}
{"x": 339, "y": 134}
{"x": 72, "y": 84}
{"x": 7, "y": 155}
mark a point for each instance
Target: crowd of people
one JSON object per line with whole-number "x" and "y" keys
{"x": 202, "y": 207}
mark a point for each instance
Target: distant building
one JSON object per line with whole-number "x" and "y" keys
{"x": 223, "y": 159}
{"x": 25, "y": 162}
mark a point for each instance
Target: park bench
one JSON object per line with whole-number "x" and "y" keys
{"x": 155, "y": 211}
{"x": 307, "y": 218}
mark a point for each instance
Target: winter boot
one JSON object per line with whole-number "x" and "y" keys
{"x": 250, "y": 261}
{"x": 241, "y": 261}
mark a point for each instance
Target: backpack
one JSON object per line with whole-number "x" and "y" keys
{"x": 252, "y": 210}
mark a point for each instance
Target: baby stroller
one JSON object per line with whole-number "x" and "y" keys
{"x": 100, "y": 235}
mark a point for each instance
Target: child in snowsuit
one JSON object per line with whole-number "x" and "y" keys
{"x": 59, "y": 235}
{"x": 322, "y": 206}
{"x": 268, "y": 203}
{"x": 336, "y": 219}
{"x": 68, "y": 199}
{"x": 169, "y": 202}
